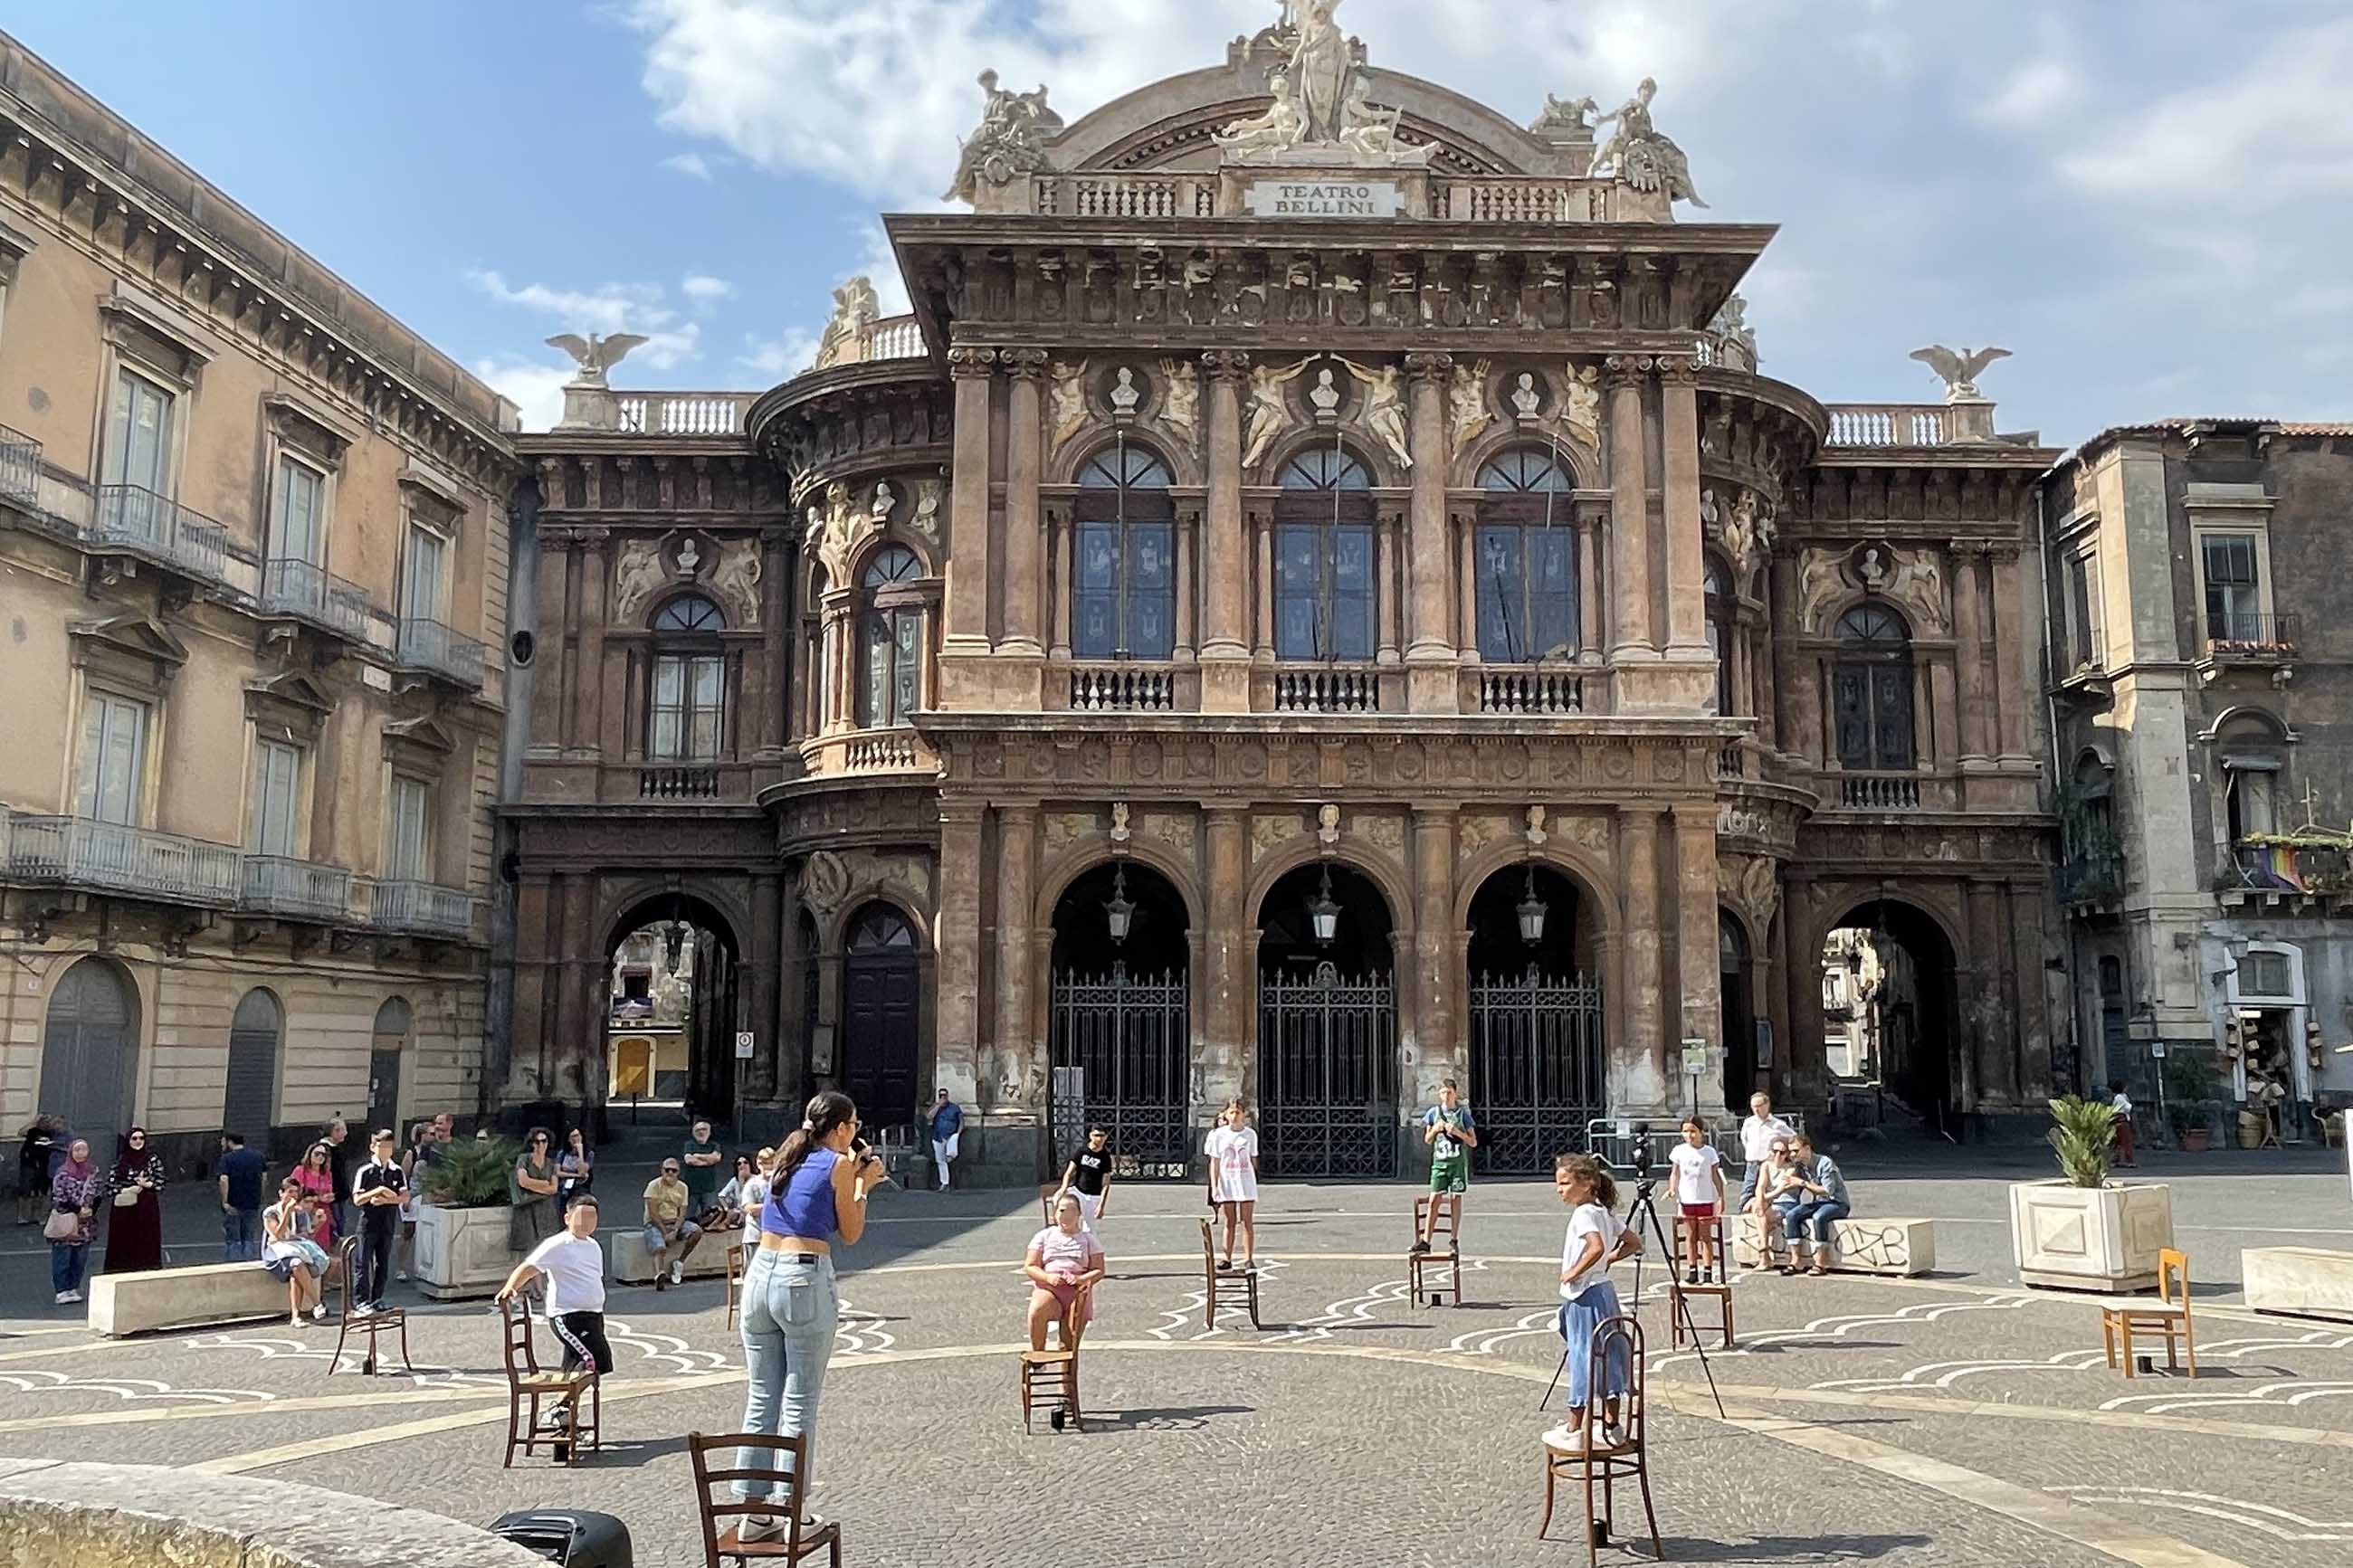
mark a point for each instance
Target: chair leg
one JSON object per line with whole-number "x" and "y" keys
{"x": 2190, "y": 1341}
{"x": 514, "y": 1419}
{"x": 1585, "y": 1520}
{"x": 405, "y": 1365}
{"x": 1643, "y": 1474}
{"x": 1551, "y": 1475}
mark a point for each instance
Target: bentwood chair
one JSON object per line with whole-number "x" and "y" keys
{"x": 1618, "y": 1340}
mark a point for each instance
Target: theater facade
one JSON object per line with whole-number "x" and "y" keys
{"x": 1317, "y": 598}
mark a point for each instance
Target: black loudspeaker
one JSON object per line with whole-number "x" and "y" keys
{"x": 573, "y": 1537}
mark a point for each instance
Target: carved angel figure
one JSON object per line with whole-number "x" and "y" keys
{"x": 1269, "y": 412}
{"x": 1281, "y": 127}
{"x": 1959, "y": 371}
{"x": 1467, "y": 413}
{"x": 636, "y": 577}
{"x": 927, "y": 521}
{"x": 854, "y": 309}
{"x": 1640, "y": 156}
{"x": 737, "y": 577}
{"x": 1180, "y": 398}
{"x": 595, "y": 356}
{"x": 1384, "y": 412}
{"x": 1582, "y": 407}
{"x": 1067, "y": 400}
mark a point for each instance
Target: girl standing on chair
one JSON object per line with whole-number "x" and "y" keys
{"x": 1596, "y": 1240}
{"x": 1232, "y": 1153}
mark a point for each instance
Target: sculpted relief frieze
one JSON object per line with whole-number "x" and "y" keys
{"x": 1270, "y": 833}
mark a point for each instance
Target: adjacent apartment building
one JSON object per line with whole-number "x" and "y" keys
{"x": 253, "y": 569}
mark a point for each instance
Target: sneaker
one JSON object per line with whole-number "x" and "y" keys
{"x": 1613, "y": 1435}
{"x": 319, "y": 1313}
{"x": 1421, "y": 1247}
{"x": 677, "y": 1271}
{"x": 1691, "y": 1276}
{"x": 763, "y": 1527}
{"x": 64, "y": 1297}
{"x": 1567, "y": 1439}
{"x": 1225, "y": 1266}
{"x": 401, "y": 1275}
{"x": 76, "y": 1296}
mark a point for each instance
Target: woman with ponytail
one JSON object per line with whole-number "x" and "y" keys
{"x": 817, "y": 1194}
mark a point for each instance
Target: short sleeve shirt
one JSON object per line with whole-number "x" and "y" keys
{"x": 1757, "y": 1135}
{"x": 1695, "y": 1172}
{"x": 1060, "y": 1252}
{"x": 244, "y": 1168}
{"x": 575, "y": 1267}
{"x": 1094, "y": 1167}
{"x": 1443, "y": 1146}
{"x": 701, "y": 1181}
{"x": 379, "y": 1216}
{"x": 665, "y": 1201}
{"x": 1232, "y": 1151}
{"x": 1588, "y": 1219}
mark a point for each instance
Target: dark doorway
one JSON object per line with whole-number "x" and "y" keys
{"x": 1736, "y": 989}
{"x": 1888, "y": 1010}
{"x": 1534, "y": 1017}
{"x": 671, "y": 1007}
{"x": 882, "y": 987}
{"x": 394, "y": 1025}
{"x": 251, "y": 1096}
{"x": 1120, "y": 1049}
{"x": 89, "y": 1054}
{"x": 1327, "y": 1058}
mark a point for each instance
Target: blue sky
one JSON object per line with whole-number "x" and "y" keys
{"x": 2148, "y": 205}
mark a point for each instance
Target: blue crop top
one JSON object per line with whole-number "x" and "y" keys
{"x": 803, "y": 1207}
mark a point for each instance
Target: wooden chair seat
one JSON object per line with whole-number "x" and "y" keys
{"x": 557, "y": 1380}
{"x": 826, "y": 1536}
{"x": 1444, "y": 1258}
{"x": 1715, "y": 1282}
{"x": 2168, "y": 1319}
{"x": 723, "y": 1516}
{"x": 1238, "y": 1287}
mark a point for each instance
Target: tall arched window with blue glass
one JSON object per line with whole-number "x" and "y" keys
{"x": 1526, "y": 558}
{"x": 1324, "y": 581}
{"x": 1124, "y": 587}
{"x": 891, "y": 640}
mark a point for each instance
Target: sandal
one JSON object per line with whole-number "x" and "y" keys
{"x": 1787, "y": 1271}
{"x": 1817, "y": 1270}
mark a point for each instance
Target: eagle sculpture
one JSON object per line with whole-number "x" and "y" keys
{"x": 1959, "y": 371}
{"x": 595, "y": 355}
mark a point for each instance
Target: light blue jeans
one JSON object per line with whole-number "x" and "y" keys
{"x": 790, "y": 1308}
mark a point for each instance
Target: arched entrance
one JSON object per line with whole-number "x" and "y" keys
{"x": 880, "y": 1036}
{"x": 1888, "y": 1008}
{"x": 387, "y": 1052}
{"x": 1735, "y": 987}
{"x": 90, "y": 1053}
{"x": 251, "y": 1096}
{"x": 671, "y": 1009}
{"x": 1533, "y": 1019}
{"x": 1120, "y": 1049}
{"x": 1327, "y": 1066}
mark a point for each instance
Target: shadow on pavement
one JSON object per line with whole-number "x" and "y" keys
{"x": 1782, "y": 1548}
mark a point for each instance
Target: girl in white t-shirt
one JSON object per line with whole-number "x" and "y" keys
{"x": 1699, "y": 1196}
{"x": 1232, "y": 1152}
{"x": 1596, "y": 1240}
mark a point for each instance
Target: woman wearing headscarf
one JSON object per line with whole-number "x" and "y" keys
{"x": 134, "y": 1229}
{"x": 73, "y": 1220}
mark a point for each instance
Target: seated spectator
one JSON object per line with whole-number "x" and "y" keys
{"x": 289, "y": 1253}
{"x": 1065, "y": 1262}
{"x": 1812, "y": 1196}
{"x": 1765, "y": 1183}
{"x": 726, "y": 1210}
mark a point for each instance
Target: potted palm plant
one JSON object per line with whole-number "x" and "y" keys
{"x": 2083, "y": 1231}
{"x": 461, "y": 1222}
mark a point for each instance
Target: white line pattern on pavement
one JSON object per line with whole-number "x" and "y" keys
{"x": 2256, "y": 1516}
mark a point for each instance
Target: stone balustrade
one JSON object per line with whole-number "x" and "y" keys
{"x": 1529, "y": 689}
{"x": 1909, "y": 424}
{"x": 1339, "y": 688}
{"x": 1124, "y": 689}
{"x": 1879, "y": 792}
{"x": 683, "y": 413}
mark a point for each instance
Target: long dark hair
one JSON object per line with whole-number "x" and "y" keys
{"x": 826, "y": 1111}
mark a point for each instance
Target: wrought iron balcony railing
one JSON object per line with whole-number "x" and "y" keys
{"x": 108, "y": 857}
{"x": 423, "y": 909}
{"x": 435, "y": 649}
{"x": 2092, "y": 878}
{"x": 20, "y": 468}
{"x": 315, "y": 595}
{"x": 2248, "y": 634}
{"x": 138, "y": 520}
{"x": 281, "y": 885}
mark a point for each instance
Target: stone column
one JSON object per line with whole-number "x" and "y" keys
{"x": 841, "y": 634}
{"x": 1589, "y": 633}
{"x": 552, "y": 705}
{"x": 1438, "y": 1045}
{"x": 2030, "y": 1080}
{"x": 588, "y": 677}
{"x": 972, "y": 370}
{"x": 1679, "y": 458}
{"x": 1022, "y": 1060}
{"x": 1698, "y": 976}
{"x": 769, "y": 729}
{"x": 1261, "y": 527}
{"x": 1059, "y": 526}
{"x": 1386, "y": 603}
{"x": 1466, "y": 578}
{"x": 957, "y": 966}
{"x": 1642, "y": 1075}
{"x": 1431, "y": 685}
{"x": 1630, "y": 514}
{"x": 1969, "y": 653}
{"x": 762, "y": 1015}
{"x": 1225, "y": 552}
{"x": 1025, "y": 540}
{"x": 2011, "y": 647}
{"x": 1224, "y": 1060}
{"x": 1185, "y": 554}
{"x": 1798, "y": 725}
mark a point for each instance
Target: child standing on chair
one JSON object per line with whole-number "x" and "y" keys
{"x": 1596, "y": 1240}
{"x": 1699, "y": 1196}
{"x": 1448, "y": 1129}
{"x": 1232, "y": 1153}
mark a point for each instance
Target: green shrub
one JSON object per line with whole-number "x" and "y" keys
{"x": 2085, "y": 1136}
{"x": 472, "y": 1175}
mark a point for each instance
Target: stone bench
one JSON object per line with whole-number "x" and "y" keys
{"x": 2298, "y": 1281}
{"x": 141, "y": 1303}
{"x": 1900, "y": 1246}
{"x": 631, "y": 1264}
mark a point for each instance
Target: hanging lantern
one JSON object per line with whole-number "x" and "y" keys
{"x": 1119, "y": 914}
{"x": 1532, "y": 913}
{"x": 1323, "y": 914}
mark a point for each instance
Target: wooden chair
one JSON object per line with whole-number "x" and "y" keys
{"x": 723, "y": 1515}
{"x": 1714, "y": 1278}
{"x": 1444, "y": 1257}
{"x": 528, "y": 1384}
{"x": 2167, "y": 1320}
{"x": 734, "y": 1275}
{"x": 1235, "y": 1288}
{"x": 1619, "y": 1339}
{"x": 1052, "y": 1377}
{"x": 391, "y": 1320}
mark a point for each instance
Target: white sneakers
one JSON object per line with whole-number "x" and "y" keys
{"x": 773, "y": 1526}
{"x": 677, "y": 1271}
{"x": 1575, "y": 1439}
{"x": 319, "y": 1312}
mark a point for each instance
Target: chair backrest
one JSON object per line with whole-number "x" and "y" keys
{"x": 1710, "y": 1227}
{"x": 2169, "y": 1264}
{"x": 347, "y": 1252}
{"x": 1447, "y": 1223}
{"x": 516, "y": 1347}
{"x": 787, "y": 1498}
{"x": 1619, "y": 1340}
{"x": 1208, "y": 1250}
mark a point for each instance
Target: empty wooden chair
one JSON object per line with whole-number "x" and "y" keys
{"x": 1714, "y": 1285}
{"x": 1051, "y": 1376}
{"x": 1619, "y": 1341}
{"x": 1232, "y": 1287}
{"x": 577, "y": 1394}
{"x": 1444, "y": 1258}
{"x": 390, "y": 1321}
{"x": 2167, "y": 1320}
{"x": 716, "y": 1465}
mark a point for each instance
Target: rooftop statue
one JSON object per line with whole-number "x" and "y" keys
{"x": 594, "y": 355}
{"x": 854, "y": 309}
{"x": 1280, "y": 127}
{"x": 1008, "y": 142}
{"x": 1322, "y": 111}
{"x": 1320, "y": 69}
{"x": 1639, "y": 156}
{"x": 1564, "y": 117}
{"x": 1958, "y": 371}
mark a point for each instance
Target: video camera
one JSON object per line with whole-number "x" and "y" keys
{"x": 1638, "y": 1156}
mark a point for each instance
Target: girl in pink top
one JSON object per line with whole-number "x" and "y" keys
{"x": 1065, "y": 1262}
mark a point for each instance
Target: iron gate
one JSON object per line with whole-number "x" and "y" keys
{"x": 1327, "y": 1074}
{"x": 1537, "y": 1065}
{"x": 1121, "y": 1054}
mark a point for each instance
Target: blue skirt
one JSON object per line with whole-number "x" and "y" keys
{"x": 1578, "y": 1321}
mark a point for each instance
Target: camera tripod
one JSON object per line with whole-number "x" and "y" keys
{"x": 1644, "y": 1207}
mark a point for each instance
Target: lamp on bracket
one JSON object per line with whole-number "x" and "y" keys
{"x": 1324, "y": 912}
{"x": 1532, "y": 910}
{"x": 1119, "y": 911}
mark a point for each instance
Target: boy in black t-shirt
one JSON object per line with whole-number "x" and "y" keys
{"x": 377, "y": 1193}
{"x": 1088, "y": 1175}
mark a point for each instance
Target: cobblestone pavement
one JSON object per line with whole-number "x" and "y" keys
{"x": 1941, "y": 1421}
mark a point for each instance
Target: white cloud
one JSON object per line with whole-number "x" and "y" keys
{"x": 703, "y": 289}
{"x": 2035, "y": 92}
{"x": 780, "y": 357}
{"x": 537, "y": 389}
{"x": 692, "y": 164}
{"x": 607, "y": 308}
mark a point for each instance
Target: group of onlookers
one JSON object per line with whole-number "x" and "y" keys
{"x": 54, "y": 1165}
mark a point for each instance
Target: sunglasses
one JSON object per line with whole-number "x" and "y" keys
{"x": 669, "y": 1170}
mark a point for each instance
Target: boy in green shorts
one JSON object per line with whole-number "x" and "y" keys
{"x": 1448, "y": 1129}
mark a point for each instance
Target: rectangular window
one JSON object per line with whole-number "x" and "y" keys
{"x": 2233, "y": 593}
{"x": 139, "y": 434}
{"x": 277, "y": 775}
{"x": 1324, "y": 590}
{"x": 1124, "y": 593}
{"x": 2082, "y": 647}
{"x": 2250, "y": 802}
{"x": 421, "y": 583}
{"x": 2263, "y": 974}
{"x": 409, "y": 859}
{"x": 1527, "y": 594}
{"x": 687, "y": 708}
{"x": 296, "y": 532}
{"x": 1094, "y": 618}
{"x": 114, "y": 758}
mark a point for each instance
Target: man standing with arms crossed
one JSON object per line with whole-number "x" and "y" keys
{"x": 376, "y": 1192}
{"x": 1452, "y": 1133}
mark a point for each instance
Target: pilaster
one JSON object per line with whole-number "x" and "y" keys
{"x": 1641, "y": 1070}
{"x": 1430, "y": 683}
{"x": 1698, "y": 972}
{"x": 1222, "y": 1060}
{"x": 1629, "y": 531}
{"x": 1437, "y": 1053}
{"x": 957, "y": 943}
{"x": 1225, "y": 555}
{"x": 965, "y": 637}
{"x": 1020, "y": 1058}
{"x": 1024, "y": 526}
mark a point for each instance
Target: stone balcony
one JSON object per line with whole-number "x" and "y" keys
{"x": 864, "y": 752}
{"x": 422, "y": 909}
{"x": 316, "y": 596}
{"x": 1909, "y": 424}
{"x": 431, "y": 649}
{"x": 299, "y": 889}
{"x": 86, "y": 855}
{"x": 131, "y": 520}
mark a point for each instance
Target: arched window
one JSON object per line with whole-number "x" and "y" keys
{"x": 1526, "y": 559}
{"x": 1720, "y": 609}
{"x": 891, "y": 641}
{"x": 1323, "y": 578}
{"x": 687, "y": 705}
{"x": 1872, "y": 690}
{"x": 1123, "y": 575}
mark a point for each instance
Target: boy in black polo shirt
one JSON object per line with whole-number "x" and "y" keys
{"x": 376, "y": 1192}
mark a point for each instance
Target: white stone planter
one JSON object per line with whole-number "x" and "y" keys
{"x": 461, "y": 1252}
{"x": 2090, "y": 1238}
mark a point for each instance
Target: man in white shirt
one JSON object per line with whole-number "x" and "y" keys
{"x": 573, "y": 1266}
{"x": 1758, "y": 1131}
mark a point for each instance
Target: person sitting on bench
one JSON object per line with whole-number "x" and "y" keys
{"x": 1065, "y": 1262}
{"x": 1816, "y": 1194}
